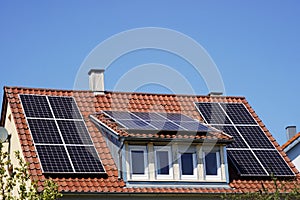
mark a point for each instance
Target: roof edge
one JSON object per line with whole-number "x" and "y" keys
{"x": 292, "y": 141}
{"x": 122, "y": 92}
{"x": 3, "y": 108}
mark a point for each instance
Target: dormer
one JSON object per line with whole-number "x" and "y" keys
{"x": 164, "y": 148}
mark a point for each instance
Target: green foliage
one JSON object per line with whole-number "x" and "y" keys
{"x": 278, "y": 192}
{"x": 18, "y": 180}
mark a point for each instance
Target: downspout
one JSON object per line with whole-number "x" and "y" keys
{"x": 120, "y": 174}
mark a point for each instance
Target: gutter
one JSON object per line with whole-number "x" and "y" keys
{"x": 139, "y": 139}
{"x": 294, "y": 143}
{"x": 146, "y": 194}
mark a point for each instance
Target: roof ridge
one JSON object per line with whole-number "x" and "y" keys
{"x": 168, "y": 94}
{"x": 122, "y": 92}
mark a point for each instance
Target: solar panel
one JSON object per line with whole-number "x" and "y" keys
{"x": 64, "y": 107}
{"x": 166, "y": 126}
{"x": 212, "y": 113}
{"x": 246, "y": 163}
{"x": 36, "y": 106}
{"x": 250, "y": 139}
{"x": 54, "y": 158}
{"x": 136, "y": 124}
{"x": 156, "y": 121}
{"x": 255, "y": 137}
{"x": 238, "y": 113}
{"x": 150, "y": 116}
{"x": 44, "y": 131}
{"x": 121, "y": 115}
{"x": 193, "y": 126}
{"x": 273, "y": 162}
{"x": 74, "y": 132}
{"x": 85, "y": 159}
{"x": 62, "y": 140}
{"x": 239, "y": 142}
{"x": 177, "y": 117}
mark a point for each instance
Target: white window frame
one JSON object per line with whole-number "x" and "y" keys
{"x": 162, "y": 176}
{"x": 195, "y": 174}
{"x": 213, "y": 177}
{"x": 144, "y": 176}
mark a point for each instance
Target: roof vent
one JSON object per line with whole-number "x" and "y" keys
{"x": 215, "y": 94}
{"x": 290, "y": 131}
{"x": 96, "y": 81}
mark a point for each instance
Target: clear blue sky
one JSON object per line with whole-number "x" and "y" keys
{"x": 255, "y": 44}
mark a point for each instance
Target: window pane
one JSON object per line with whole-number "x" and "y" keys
{"x": 187, "y": 165}
{"x": 162, "y": 162}
{"x": 211, "y": 165}
{"x": 137, "y": 159}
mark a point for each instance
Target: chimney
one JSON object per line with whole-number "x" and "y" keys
{"x": 96, "y": 81}
{"x": 290, "y": 131}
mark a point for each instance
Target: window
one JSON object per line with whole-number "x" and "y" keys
{"x": 163, "y": 162}
{"x": 188, "y": 166}
{"x": 212, "y": 165}
{"x": 138, "y": 162}
{"x": 159, "y": 164}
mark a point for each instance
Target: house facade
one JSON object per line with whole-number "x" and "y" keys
{"x": 138, "y": 145}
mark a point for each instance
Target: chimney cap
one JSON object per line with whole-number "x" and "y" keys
{"x": 215, "y": 94}
{"x": 96, "y": 71}
{"x": 288, "y": 127}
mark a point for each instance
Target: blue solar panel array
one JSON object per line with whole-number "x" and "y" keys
{"x": 60, "y": 135}
{"x": 153, "y": 121}
{"x": 252, "y": 152}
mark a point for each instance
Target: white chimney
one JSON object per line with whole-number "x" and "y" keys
{"x": 290, "y": 131}
{"x": 96, "y": 81}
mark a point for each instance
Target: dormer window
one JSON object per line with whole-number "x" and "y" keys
{"x": 163, "y": 162}
{"x": 176, "y": 163}
{"x": 188, "y": 165}
{"x": 212, "y": 165}
{"x": 138, "y": 162}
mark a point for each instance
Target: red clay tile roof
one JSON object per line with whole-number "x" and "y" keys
{"x": 89, "y": 104}
{"x": 290, "y": 141}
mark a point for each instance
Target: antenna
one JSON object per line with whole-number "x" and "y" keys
{"x": 3, "y": 134}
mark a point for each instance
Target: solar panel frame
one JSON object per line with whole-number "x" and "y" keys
{"x": 89, "y": 161}
{"x": 40, "y": 109}
{"x": 247, "y": 131}
{"x": 255, "y": 137}
{"x": 212, "y": 113}
{"x": 274, "y": 162}
{"x": 64, "y": 107}
{"x": 238, "y": 113}
{"x": 74, "y": 132}
{"x": 156, "y": 121}
{"x": 49, "y": 164}
{"x": 50, "y": 155}
{"x": 246, "y": 163}
{"x": 44, "y": 131}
